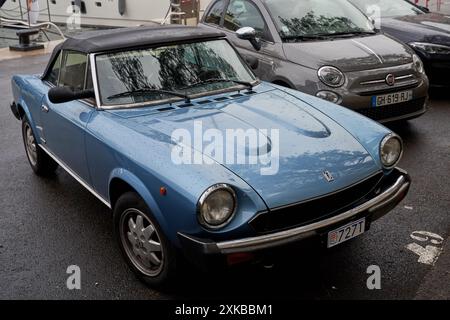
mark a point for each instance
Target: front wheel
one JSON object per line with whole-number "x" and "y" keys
{"x": 144, "y": 246}
{"x": 40, "y": 162}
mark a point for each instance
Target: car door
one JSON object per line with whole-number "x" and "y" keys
{"x": 236, "y": 14}
{"x": 64, "y": 124}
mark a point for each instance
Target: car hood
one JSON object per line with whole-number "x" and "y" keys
{"x": 429, "y": 27}
{"x": 353, "y": 54}
{"x": 308, "y": 143}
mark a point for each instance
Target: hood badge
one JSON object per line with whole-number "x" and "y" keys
{"x": 390, "y": 79}
{"x": 328, "y": 176}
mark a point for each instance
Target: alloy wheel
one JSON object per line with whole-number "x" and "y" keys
{"x": 141, "y": 242}
{"x": 30, "y": 145}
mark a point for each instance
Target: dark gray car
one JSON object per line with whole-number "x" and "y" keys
{"x": 327, "y": 48}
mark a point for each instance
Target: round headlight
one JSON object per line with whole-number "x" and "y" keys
{"x": 216, "y": 206}
{"x": 331, "y": 76}
{"x": 418, "y": 65}
{"x": 391, "y": 149}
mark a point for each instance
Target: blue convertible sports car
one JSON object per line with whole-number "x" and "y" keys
{"x": 158, "y": 124}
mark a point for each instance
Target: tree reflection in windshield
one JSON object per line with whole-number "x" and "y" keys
{"x": 312, "y": 24}
{"x": 170, "y": 68}
{"x": 130, "y": 72}
{"x": 317, "y": 17}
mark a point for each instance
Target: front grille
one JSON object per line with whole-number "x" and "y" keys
{"x": 383, "y": 90}
{"x": 393, "y": 110}
{"x": 315, "y": 209}
{"x": 396, "y": 79}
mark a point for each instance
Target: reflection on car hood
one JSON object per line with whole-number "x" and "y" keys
{"x": 309, "y": 143}
{"x": 352, "y": 54}
{"x": 430, "y": 27}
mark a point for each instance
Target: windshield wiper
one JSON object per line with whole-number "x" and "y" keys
{"x": 303, "y": 37}
{"x": 143, "y": 91}
{"x": 324, "y": 36}
{"x": 350, "y": 33}
{"x": 249, "y": 85}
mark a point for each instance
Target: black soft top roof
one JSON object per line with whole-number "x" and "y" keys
{"x": 122, "y": 38}
{"x": 128, "y": 38}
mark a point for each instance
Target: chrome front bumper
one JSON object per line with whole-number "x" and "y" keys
{"x": 373, "y": 208}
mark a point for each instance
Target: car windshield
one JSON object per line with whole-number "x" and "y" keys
{"x": 387, "y": 8}
{"x": 310, "y": 18}
{"x": 169, "y": 72}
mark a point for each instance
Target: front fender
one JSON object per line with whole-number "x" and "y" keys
{"x": 18, "y": 84}
{"x": 142, "y": 190}
{"x": 23, "y": 105}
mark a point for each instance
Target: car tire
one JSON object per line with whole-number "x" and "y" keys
{"x": 40, "y": 162}
{"x": 140, "y": 237}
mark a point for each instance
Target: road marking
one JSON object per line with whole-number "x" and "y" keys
{"x": 428, "y": 254}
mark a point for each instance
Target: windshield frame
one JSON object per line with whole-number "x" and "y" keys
{"x": 171, "y": 100}
{"x": 278, "y": 29}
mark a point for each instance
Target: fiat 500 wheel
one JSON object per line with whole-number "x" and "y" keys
{"x": 144, "y": 246}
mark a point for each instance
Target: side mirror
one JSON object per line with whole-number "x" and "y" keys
{"x": 66, "y": 94}
{"x": 252, "y": 62}
{"x": 425, "y": 9}
{"x": 248, "y": 33}
{"x": 374, "y": 24}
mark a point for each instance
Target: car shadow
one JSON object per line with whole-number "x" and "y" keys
{"x": 302, "y": 273}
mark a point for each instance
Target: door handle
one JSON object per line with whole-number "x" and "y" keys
{"x": 44, "y": 108}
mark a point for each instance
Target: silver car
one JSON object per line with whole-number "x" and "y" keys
{"x": 327, "y": 48}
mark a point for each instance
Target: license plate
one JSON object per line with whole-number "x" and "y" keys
{"x": 392, "y": 98}
{"x": 346, "y": 232}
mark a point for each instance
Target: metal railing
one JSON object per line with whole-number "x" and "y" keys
{"x": 11, "y": 20}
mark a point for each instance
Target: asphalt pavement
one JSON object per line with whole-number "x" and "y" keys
{"x": 47, "y": 225}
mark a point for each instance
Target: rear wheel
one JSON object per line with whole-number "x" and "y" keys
{"x": 40, "y": 162}
{"x": 142, "y": 242}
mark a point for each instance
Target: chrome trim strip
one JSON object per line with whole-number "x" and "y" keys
{"x": 373, "y": 82}
{"x": 94, "y": 79}
{"x": 408, "y": 76}
{"x": 278, "y": 238}
{"x": 361, "y": 45}
{"x": 75, "y": 176}
{"x": 404, "y": 77}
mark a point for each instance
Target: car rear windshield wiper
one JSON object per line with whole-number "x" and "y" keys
{"x": 143, "y": 91}
{"x": 249, "y": 85}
